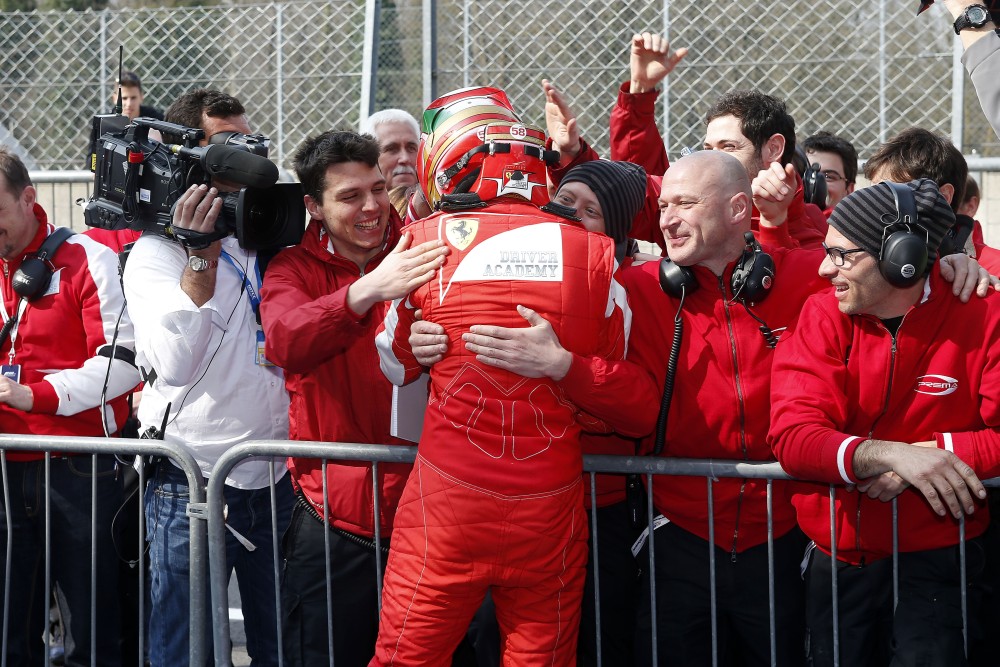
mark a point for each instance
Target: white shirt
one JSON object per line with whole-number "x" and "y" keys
{"x": 204, "y": 359}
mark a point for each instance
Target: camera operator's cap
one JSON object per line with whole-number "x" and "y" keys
{"x": 863, "y": 215}
{"x": 620, "y": 188}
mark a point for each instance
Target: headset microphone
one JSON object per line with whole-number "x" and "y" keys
{"x": 232, "y": 163}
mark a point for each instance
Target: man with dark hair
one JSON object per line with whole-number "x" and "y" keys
{"x": 919, "y": 153}
{"x": 838, "y": 162}
{"x": 762, "y": 120}
{"x": 132, "y": 97}
{"x": 757, "y": 129}
{"x": 320, "y": 306}
{"x": 206, "y": 109}
{"x": 195, "y": 312}
{"x": 888, "y": 387}
{"x": 64, "y": 347}
{"x": 754, "y": 127}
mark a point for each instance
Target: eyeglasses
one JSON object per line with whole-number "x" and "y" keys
{"x": 831, "y": 176}
{"x": 838, "y": 255}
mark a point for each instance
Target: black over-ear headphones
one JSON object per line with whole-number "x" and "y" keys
{"x": 902, "y": 259}
{"x": 35, "y": 273}
{"x": 753, "y": 275}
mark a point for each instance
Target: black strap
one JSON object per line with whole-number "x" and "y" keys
{"x": 563, "y": 211}
{"x": 494, "y": 147}
{"x": 52, "y": 243}
{"x": 121, "y": 353}
{"x": 49, "y": 247}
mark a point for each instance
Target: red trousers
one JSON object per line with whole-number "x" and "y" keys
{"x": 453, "y": 542}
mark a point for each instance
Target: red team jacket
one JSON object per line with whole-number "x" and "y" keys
{"x": 59, "y": 337}
{"x": 336, "y": 390}
{"x": 720, "y": 406}
{"x": 635, "y": 137}
{"x": 488, "y": 427}
{"x": 841, "y": 379}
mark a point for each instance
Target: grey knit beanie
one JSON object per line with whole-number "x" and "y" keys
{"x": 620, "y": 188}
{"x": 863, "y": 215}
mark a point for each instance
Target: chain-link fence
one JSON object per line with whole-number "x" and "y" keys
{"x": 861, "y": 70}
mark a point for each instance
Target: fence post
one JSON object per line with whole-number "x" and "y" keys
{"x": 104, "y": 59}
{"x": 279, "y": 81}
{"x": 369, "y": 64}
{"x": 198, "y": 555}
{"x": 957, "y": 95}
{"x": 430, "y": 65}
{"x": 466, "y": 57}
{"x": 667, "y": 141}
{"x": 882, "y": 62}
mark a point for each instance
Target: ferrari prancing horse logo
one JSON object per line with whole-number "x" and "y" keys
{"x": 461, "y": 232}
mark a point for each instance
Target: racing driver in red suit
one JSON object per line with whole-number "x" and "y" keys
{"x": 495, "y": 500}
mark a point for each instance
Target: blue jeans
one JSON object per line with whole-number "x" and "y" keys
{"x": 71, "y": 516}
{"x": 168, "y": 535}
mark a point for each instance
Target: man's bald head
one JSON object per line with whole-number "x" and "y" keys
{"x": 719, "y": 169}
{"x": 719, "y": 173}
{"x": 705, "y": 205}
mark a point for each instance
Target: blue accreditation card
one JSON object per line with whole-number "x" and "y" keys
{"x": 261, "y": 359}
{"x": 11, "y": 372}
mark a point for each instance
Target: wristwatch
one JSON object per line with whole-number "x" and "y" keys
{"x": 974, "y": 16}
{"x": 199, "y": 264}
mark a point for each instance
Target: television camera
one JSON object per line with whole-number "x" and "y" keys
{"x": 138, "y": 180}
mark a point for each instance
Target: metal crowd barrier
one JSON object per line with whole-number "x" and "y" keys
{"x": 217, "y": 525}
{"x": 118, "y": 447}
{"x": 209, "y": 535}
{"x": 648, "y": 467}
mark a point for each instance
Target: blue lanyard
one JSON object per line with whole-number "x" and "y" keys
{"x": 251, "y": 292}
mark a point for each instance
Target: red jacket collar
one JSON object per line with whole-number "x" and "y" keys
{"x": 38, "y": 239}
{"x": 316, "y": 241}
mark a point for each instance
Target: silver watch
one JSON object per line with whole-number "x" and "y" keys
{"x": 199, "y": 264}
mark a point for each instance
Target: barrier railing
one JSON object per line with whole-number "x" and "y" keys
{"x": 648, "y": 467}
{"x": 117, "y": 447}
{"x": 209, "y": 535}
{"x": 216, "y": 523}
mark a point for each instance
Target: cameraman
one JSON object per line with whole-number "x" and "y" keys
{"x": 196, "y": 324}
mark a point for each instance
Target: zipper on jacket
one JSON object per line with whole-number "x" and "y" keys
{"x": 740, "y": 409}
{"x": 871, "y": 431}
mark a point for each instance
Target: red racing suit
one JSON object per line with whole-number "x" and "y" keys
{"x": 495, "y": 499}
{"x": 635, "y": 137}
{"x": 62, "y": 342}
{"x": 337, "y": 392}
{"x": 720, "y": 405}
{"x": 839, "y": 380}
{"x": 510, "y": 260}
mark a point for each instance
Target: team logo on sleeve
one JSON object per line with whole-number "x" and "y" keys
{"x": 461, "y": 232}
{"x": 936, "y": 385}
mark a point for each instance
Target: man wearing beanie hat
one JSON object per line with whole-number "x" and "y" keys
{"x": 618, "y": 189}
{"x": 889, "y": 391}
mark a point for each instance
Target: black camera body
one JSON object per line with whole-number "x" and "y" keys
{"x": 138, "y": 181}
